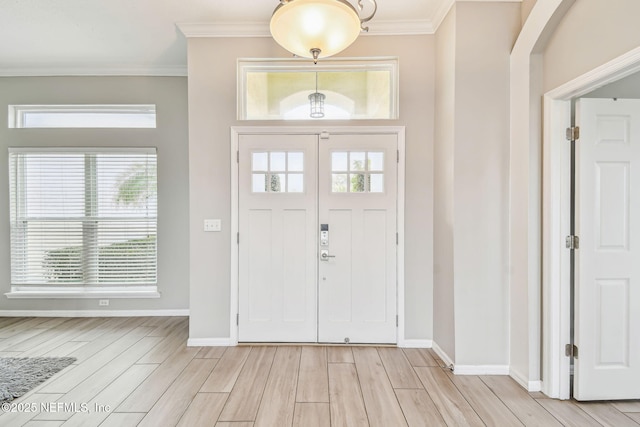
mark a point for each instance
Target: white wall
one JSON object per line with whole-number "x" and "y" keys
{"x": 472, "y": 181}
{"x": 525, "y": 177}
{"x": 527, "y": 5}
{"x": 481, "y": 180}
{"x": 592, "y": 33}
{"x": 170, "y": 96}
{"x": 561, "y": 40}
{"x": 212, "y": 111}
{"x": 443, "y": 279}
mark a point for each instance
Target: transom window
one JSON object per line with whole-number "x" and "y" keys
{"x": 353, "y": 89}
{"x": 277, "y": 172}
{"x": 82, "y": 116}
{"x": 357, "y": 172}
{"x": 83, "y": 217}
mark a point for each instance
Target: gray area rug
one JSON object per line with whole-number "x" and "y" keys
{"x": 18, "y": 375}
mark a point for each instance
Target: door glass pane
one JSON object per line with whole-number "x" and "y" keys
{"x": 365, "y": 171}
{"x": 339, "y": 161}
{"x": 357, "y": 182}
{"x": 259, "y": 183}
{"x": 260, "y": 162}
{"x": 376, "y": 161}
{"x": 295, "y": 162}
{"x": 376, "y": 183}
{"x": 356, "y": 161}
{"x": 278, "y": 163}
{"x": 295, "y": 183}
{"x": 339, "y": 182}
{"x": 277, "y": 183}
{"x": 283, "y": 172}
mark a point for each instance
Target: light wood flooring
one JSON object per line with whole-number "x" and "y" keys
{"x": 139, "y": 372}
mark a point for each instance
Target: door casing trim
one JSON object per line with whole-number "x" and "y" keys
{"x": 236, "y": 131}
{"x": 556, "y": 216}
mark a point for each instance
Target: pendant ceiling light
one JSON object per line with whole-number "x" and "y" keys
{"x": 316, "y": 100}
{"x": 317, "y": 28}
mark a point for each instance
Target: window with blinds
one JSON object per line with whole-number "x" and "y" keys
{"x": 83, "y": 217}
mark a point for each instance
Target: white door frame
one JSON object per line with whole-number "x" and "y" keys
{"x": 556, "y": 215}
{"x": 236, "y": 131}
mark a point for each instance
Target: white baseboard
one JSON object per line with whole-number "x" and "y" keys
{"x": 415, "y": 344}
{"x": 481, "y": 370}
{"x": 93, "y": 313}
{"x": 530, "y": 386}
{"x": 209, "y": 342}
{"x": 534, "y": 386}
{"x": 442, "y": 355}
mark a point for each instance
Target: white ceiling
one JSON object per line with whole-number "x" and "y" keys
{"x": 54, "y": 37}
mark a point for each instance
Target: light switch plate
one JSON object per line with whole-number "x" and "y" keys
{"x": 212, "y": 225}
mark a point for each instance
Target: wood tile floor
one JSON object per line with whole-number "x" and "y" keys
{"x": 139, "y": 372}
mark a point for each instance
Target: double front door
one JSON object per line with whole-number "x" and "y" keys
{"x": 318, "y": 242}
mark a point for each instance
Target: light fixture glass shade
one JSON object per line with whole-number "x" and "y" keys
{"x": 317, "y": 105}
{"x": 328, "y": 25}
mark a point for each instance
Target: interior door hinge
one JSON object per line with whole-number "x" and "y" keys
{"x": 573, "y": 133}
{"x": 398, "y": 156}
{"x": 397, "y": 238}
{"x": 237, "y": 156}
{"x": 397, "y": 321}
{"x": 237, "y": 319}
{"x": 572, "y": 242}
{"x": 571, "y": 350}
{"x": 238, "y": 237}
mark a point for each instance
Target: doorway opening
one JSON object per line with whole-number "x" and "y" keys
{"x": 557, "y": 217}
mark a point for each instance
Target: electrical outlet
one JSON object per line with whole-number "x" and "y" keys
{"x": 103, "y": 302}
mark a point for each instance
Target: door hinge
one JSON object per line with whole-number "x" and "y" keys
{"x": 572, "y": 242}
{"x": 573, "y": 133}
{"x": 397, "y": 321}
{"x": 237, "y": 319}
{"x": 397, "y": 238}
{"x": 238, "y": 237}
{"x": 398, "y": 156}
{"x": 571, "y": 350}
{"x": 237, "y": 156}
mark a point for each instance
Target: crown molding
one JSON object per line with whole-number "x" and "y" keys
{"x": 261, "y": 29}
{"x": 377, "y": 27}
{"x": 224, "y": 29}
{"x": 441, "y": 13}
{"x": 104, "y": 70}
{"x": 445, "y": 6}
{"x": 401, "y": 27}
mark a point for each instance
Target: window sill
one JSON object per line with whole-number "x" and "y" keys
{"x": 24, "y": 292}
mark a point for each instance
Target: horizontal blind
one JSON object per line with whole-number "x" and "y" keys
{"x": 83, "y": 216}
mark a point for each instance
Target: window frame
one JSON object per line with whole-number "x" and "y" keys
{"x": 248, "y": 65}
{"x": 366, "y": 172}
{"x": 18, "y": 113}
{"x": 269, "y": 173}
{"x": 79, "y": 290}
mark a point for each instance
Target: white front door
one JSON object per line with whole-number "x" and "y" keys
{"x": 277, "y": 248}
{"x": 357, "y": 290}
{"x": 607, "y": 307}
{"x": 296, "y": 284}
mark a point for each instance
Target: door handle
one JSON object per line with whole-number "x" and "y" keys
{"x": 324, "y": 255}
